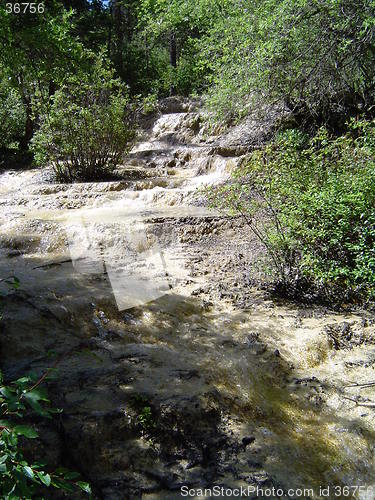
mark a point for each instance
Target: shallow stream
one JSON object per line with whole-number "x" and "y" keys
{"x": 256, "y": 396}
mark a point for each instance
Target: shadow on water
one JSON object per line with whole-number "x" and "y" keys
{"x": 222, "y": 407}
{"x": 302, "y": 443}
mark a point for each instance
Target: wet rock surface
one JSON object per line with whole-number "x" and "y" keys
{"x": 212, "y": 383}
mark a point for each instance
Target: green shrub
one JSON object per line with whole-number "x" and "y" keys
{"x": 12, "y": 117}
{"x": 311, "y": 202}
{"x": 20, "y": 478}
{"x": 146, "y": 419}
{"x": 23, "y": 400}
{"x": 148, "y": 104}
{"x": 88, "y": 128}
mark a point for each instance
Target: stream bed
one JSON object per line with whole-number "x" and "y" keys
{"x": 174, "y": 371}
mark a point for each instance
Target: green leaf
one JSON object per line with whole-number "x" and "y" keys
{"x": 39, "y": 394}
{"x": 36, "y": 406}
{"x": 15, "y": 283}
{"x": 44, "y": 477}
{"x": 28, "y": 471}
{"x": 60, "y": 483}
{"x": 33, "y": 398}
{"x": 23, "y": 380}
{"x": 12, "y": 438}
{"x": 39, "y": 465}
{"x": 26, "y": 431}
{"x": 84, "y": 486}
{"x": 7, "y": 392}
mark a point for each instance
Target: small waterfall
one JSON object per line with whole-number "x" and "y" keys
{"x": 102, "y": 221}
{"x": 114, "y": 262}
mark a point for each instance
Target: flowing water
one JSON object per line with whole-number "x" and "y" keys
{"x": 105, "y": 263}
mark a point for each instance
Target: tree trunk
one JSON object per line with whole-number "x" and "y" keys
{"x": 118, "y": 23}
{"x": 172, "y": 58}
{"x": 29, "y": 125}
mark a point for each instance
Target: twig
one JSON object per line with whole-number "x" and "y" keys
{"x": 54, "y": 263}
{"x": 61, "y": 358}
{"x": 368, "y": 405}
{"x": 48, "y": 371}
{"x": 7, "y": 278}
{"x": 365, "y": 384}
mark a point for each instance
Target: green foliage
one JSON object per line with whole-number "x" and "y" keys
{"x": 314, "y": 55}
{"x": 37, "y": 48}
{"x": 311, "y": 202}
{"x": 20, "y": 478}
{"x": 146, "y": 419}
{"x": 186, "y": 22}
{"x": 12, "y": 117}
{"x": 88, "y": 128}
{"x": 317, "y": 56}
{"x": 148, "y": 105}
{"x": 37, "y": 52}
{"x": 20, "y": 400}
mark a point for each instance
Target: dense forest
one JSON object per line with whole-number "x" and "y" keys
{"x": 79, "y": 77}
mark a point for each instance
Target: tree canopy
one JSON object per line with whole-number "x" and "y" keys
{"x": 315, "y": 55}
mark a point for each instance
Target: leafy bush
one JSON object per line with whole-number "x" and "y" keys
{"x": 20, "y": 400}
{"x": 148, "y": 105}
{"x": 88, "y": 128}
{"x": 311, "y": 202}
{"x": 20, "y": 478}
{"x": 12, "y": 117}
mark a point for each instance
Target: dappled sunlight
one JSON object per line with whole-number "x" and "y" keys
{"x": 164, "y": 382}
